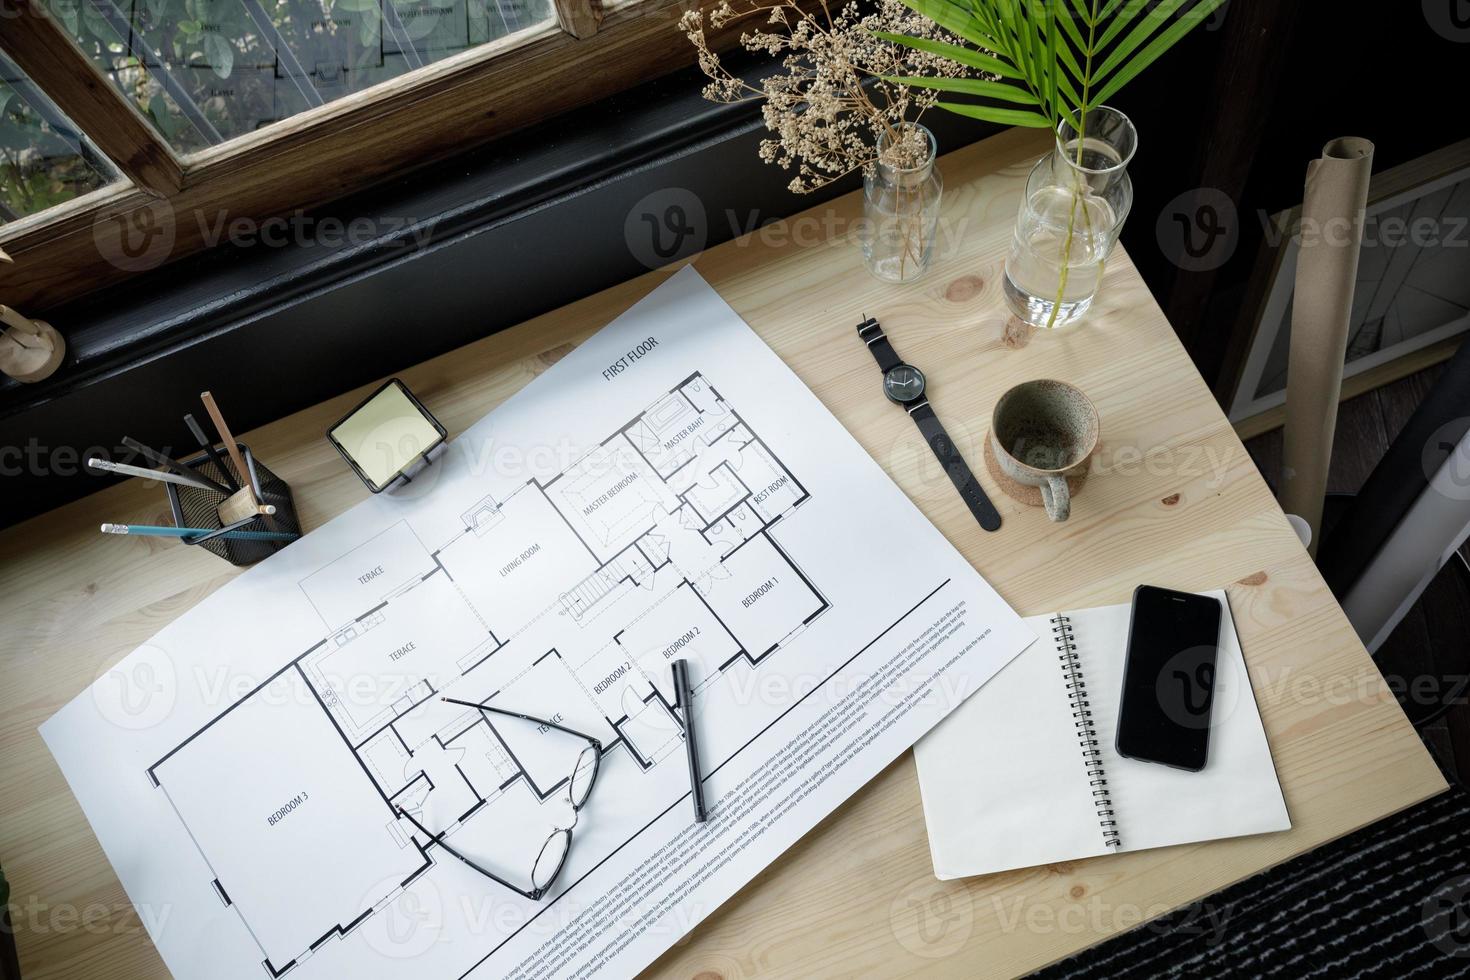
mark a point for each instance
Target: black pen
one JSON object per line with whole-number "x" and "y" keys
{"x": 684, "y": 699}
{"x": 207, "y": 445}
{"x": 154, "y": 456}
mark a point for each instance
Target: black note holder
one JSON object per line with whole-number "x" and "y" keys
{"x": 199, "y": 508}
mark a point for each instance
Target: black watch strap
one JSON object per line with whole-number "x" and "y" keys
{"x": 954, "y": 466}
{"x": 933, "y": 432}
{"x": 877, "y": 342}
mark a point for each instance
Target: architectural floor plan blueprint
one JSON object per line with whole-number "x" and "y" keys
{"x": 668, "y": 490}
{"x": 662, "y": 540}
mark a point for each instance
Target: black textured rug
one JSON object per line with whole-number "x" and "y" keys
{"x": 1391, "y": 900}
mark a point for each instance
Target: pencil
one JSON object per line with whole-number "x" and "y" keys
{"x": 154, "y": 456}
{"x": 207, "y": 444}
{"x": 153, "y": 530}
{"x": 123, "y": 469}
{"x": 229, "y": 441}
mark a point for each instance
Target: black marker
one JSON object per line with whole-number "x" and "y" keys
{"x": 207, "y": 445}
{"x": 684, "y": 699}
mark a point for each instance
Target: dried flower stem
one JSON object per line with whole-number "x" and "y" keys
{"x": 831, "y": 109}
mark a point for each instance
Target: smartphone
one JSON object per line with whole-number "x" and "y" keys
{"x": 1169, "y": 678}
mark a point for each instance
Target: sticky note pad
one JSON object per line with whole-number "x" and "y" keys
{"x": 386, "y": 435}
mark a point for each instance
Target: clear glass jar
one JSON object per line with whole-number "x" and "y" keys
{"x": 901, "y": 206}
{"x": 1076, "y": 201}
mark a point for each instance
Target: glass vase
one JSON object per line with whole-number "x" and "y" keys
{"x": 901, "y": 205}
{"x": 1077, "y": 198}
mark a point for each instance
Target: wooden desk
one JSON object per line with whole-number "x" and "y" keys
{"x": 1175, "y": 501}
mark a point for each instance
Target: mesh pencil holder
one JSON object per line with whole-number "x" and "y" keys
{"x": 200, "y": 508}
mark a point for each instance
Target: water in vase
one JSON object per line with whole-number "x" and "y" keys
{"x": 1036, "y": 286}
{"x": 1076, "y": 200}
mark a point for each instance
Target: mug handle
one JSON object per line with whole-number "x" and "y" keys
{"x": 1057, "y": 497}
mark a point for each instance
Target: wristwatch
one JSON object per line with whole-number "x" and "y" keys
{"x": 904, "y": 385}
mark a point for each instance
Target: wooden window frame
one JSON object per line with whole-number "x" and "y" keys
{"x": 308, "y": 159}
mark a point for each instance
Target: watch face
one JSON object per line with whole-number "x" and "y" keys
{"x": 904, "y": 383}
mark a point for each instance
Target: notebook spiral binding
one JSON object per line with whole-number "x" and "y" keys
{"x": 1097, "y": 778}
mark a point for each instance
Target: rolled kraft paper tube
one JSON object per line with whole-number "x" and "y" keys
{"x": 1331, "y": 232}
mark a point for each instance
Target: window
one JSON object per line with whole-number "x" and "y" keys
{"x": 123, "y": 116}
{"x": 44, "y": 158}
{"x": 207, "y": 71}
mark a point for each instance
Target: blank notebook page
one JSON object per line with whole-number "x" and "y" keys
{"x": 1005, "y": 784}
{"x": 1002, "y": 778}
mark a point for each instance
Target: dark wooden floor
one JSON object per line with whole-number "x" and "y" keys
{"x": 1434, "y": 639}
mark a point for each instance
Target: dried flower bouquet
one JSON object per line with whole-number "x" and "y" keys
{"x": 836, "y": 99}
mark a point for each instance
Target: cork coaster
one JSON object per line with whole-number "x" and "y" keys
{"x": 1023, "y": 492}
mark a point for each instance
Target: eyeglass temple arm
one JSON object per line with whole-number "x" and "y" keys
{"x": 434, "y": 838}
{"x": 531, "y": 718}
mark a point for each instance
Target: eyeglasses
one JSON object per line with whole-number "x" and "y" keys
{"x": 553, "y": 854}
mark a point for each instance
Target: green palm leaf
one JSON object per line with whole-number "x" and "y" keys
{"x": 950, "y": 16}
{"x": 1009, "y": 43}
{"x": 967, "y": 86}
{"x": 1069, "y": 26}
{"x": 1053, "y": 69}
{"x": 964, "y": 56}
{"x": 1119, "y": 14}
{"x": 1156, "y": 48}
{"x": 1065, "y": 57}
{"x": 1151, "y": 22}
{"x": 1006, "y": 117}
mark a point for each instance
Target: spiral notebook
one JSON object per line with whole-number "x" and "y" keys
{"x": 1025, "y": 772}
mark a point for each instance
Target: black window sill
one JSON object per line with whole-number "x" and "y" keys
{"x": 285, "y": 313}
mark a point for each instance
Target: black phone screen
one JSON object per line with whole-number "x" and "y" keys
{"x": 1169, "y": 680}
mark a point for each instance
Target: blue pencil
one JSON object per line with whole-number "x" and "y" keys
{"x": 194, "y": 532}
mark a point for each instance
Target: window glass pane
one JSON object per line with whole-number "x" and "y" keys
{"x": 208, "y": 70}
{"x": 44, "y": 159}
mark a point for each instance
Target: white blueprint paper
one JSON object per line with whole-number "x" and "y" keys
{"x": 669, "y": 489}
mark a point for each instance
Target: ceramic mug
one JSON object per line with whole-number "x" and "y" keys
{"x": 1041, "y": 433}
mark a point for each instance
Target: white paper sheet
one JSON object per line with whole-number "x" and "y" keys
{"x": 1004, "y": 781}
{"x": 669, "y": 489}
